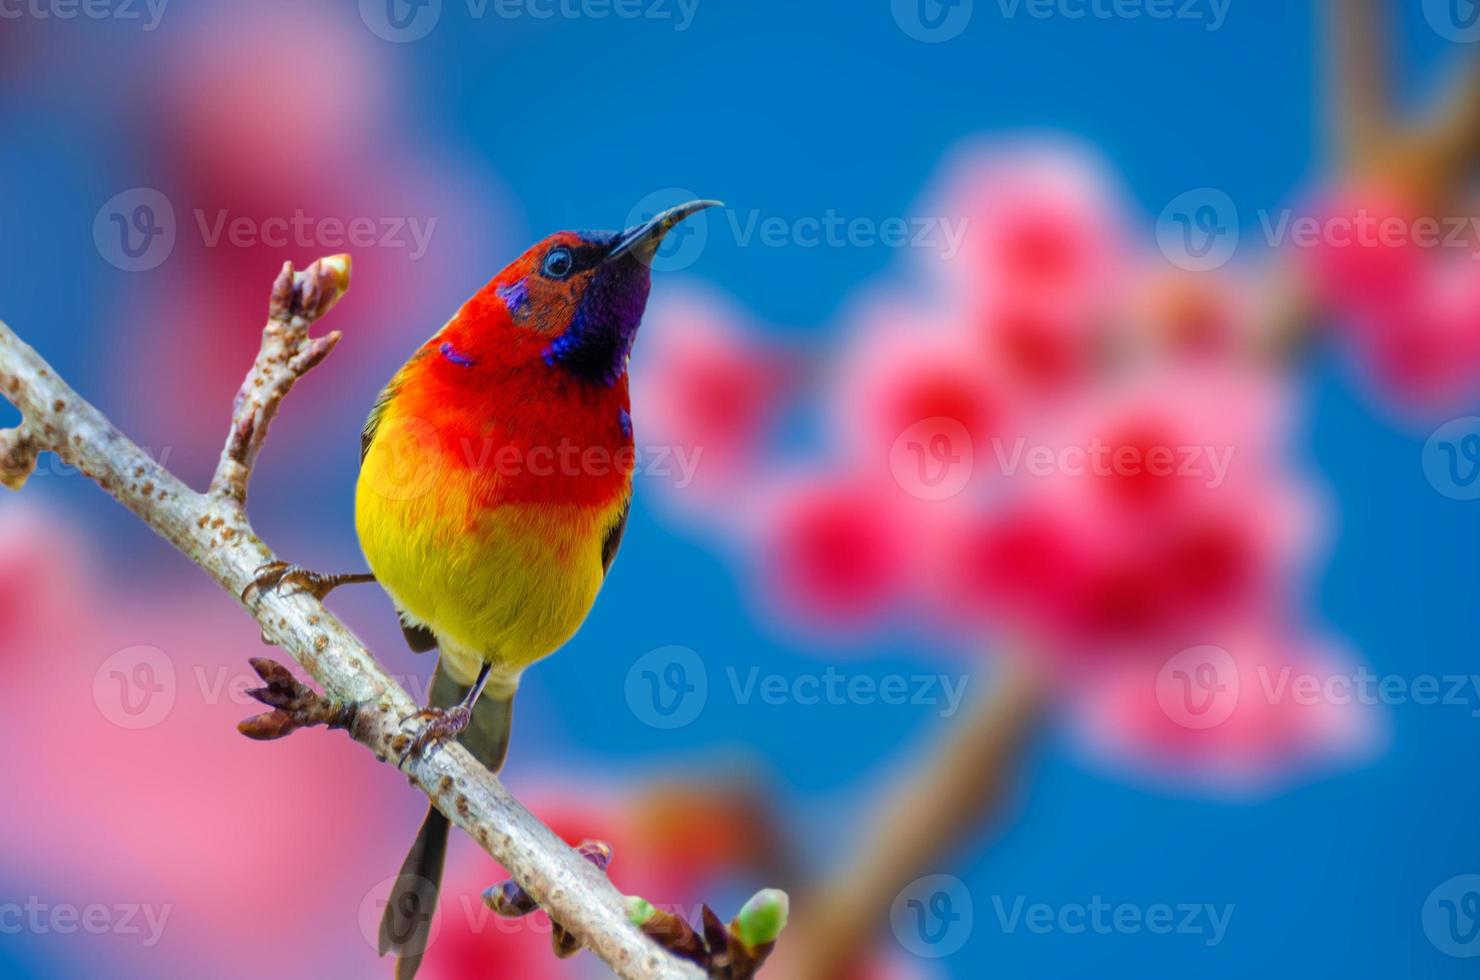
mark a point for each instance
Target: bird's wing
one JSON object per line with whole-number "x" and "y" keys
{"x": 377, "y": 413}
{"x": 613, "y": 539}
{"x": 419, "y": 638}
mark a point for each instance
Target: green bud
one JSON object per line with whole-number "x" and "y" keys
{"x": 762, "y": 918}
{"x": 639, "y": 911}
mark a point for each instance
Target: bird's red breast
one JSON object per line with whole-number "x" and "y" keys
{"x": 483, "y": 387}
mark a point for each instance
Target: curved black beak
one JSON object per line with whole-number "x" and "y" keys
{"x": 642, "y": 241}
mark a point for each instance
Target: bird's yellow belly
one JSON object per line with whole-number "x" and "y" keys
{"x": 505, "y": 584}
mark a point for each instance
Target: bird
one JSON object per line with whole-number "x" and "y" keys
{"x": 494, "y": 490}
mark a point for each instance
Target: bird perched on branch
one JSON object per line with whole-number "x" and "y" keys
{"x": 495, "y": 482}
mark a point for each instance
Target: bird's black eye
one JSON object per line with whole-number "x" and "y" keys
{"x": 559, "y": 263}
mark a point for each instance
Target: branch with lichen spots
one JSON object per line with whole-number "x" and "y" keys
{"x": 212, "y": 530}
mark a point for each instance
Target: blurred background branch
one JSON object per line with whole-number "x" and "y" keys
{"x": 940, "y": 804}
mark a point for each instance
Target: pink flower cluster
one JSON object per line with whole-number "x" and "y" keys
{"x": 1050, "y": 441}
{"x": 1404, "y": 288}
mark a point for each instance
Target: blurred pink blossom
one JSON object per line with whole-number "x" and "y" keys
{"x": 132, "y": 715}
{"x": 295, "y": 162}
{"x": 1407, "y": 306}
{"x": 900, "y": 369}
{"x": 706, "y": 386}
{"x": 1043, "y": 226}
{"x": 1241, "y": 715}
{"x": 833, "y": 551}
{"x": 43, "y": 577}
{"x": 1117, "y": 438}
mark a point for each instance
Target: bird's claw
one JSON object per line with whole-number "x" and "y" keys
{"x": 275, "y": 575}
{"x": 441, "y": 725}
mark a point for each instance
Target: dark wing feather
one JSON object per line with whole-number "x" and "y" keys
{"x": 613, "y": 539}
{"x": 372, "y": 424}
{"x": 419, "y": 638}
{"x": 377, "y": 413}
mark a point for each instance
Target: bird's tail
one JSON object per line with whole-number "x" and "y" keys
{"x": 406, "y": 926}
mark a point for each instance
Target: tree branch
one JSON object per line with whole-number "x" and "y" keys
{"x": 1358, "y": 80}
{"x": 212, "y": 530}
{"x": 921, "y": 820}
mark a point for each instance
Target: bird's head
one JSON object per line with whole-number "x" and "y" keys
{"x": 577, "y": 298}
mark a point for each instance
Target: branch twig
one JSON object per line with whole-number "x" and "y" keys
{"x": 1358, "y": 77}
{"x": 926, "y": 816}
{"x": 212, "y": 530}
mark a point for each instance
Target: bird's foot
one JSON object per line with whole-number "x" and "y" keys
{"x": 294, "y": 705}
{"x": 509, "y": 899}
{"x": 277, "y": 575}
{"x": 441, "y": 725}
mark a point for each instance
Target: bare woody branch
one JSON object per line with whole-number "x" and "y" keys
{"x": 287, "y": 354}
{"x": 1358, "y": 79}
{"x": 212, "y": 530}
{"x": 925, "y": 817}
{"x": 1431, "y": 155}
